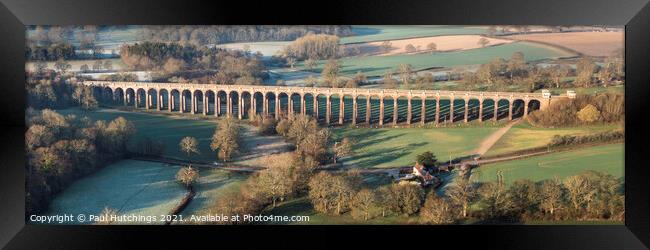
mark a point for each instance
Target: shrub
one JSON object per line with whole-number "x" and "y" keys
{"x": 588, "y": 114}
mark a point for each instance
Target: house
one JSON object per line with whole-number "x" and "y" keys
{"x": 420, "y": 171}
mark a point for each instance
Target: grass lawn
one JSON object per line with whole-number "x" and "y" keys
{"x": 605, "y": 158}
{"x": 168, "y": 129}
{"x": 524, "y": 135}
{"x": 395, "y": 147}
{"x": 211, "y": 185}
{"x": 131, "y": 187}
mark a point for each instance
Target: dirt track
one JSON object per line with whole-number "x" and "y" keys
{"x": 488, "y": 142}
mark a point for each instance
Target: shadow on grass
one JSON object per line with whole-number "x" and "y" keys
{"x": 384, "y": 155}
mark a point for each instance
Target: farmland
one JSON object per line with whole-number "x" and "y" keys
{"x": 388, "y": 32}
{"x": 377, "y": 65}
{"x": 588, "y": 43}
{"x": 443, "y": 43}
{"x": 605, "y": 158}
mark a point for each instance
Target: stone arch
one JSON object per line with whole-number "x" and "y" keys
{"x": 152, "y": 95}
{"x": 197, "y": 98}
{"x": 503, "y": 107}
{"x": 308, "y": 100}
{"x": 130, "y": 97}
{"x": 389, "y": 109}
{"x": 234, "y": 103}
{"x": 211, "y": 104}
{"x": 402, "y": 108}
{"x": 141, "y": 98}
{"x": 186, "y": 101}
{"x": 362, "y": 108}
{"x": 259, "y": 102}
{"x": 175, "y": 96}
{"x": 321, "y": 99}
{"x": 488, "y": 108}
{"x": 294, "y": 102}
{"x": 283, "y": 104}
{"x": 118, "y": 94}
{"x": 348, "y": 106}
{"x": 335, "y": 103}
{"x": 534, "y": 105}
{"x": 518, "y": 108}
{"x": 416, "y": 109}
{"x": 374, "y": 108}
{"x": 430, "y": 110}
{"x": 164, "y": 99}
{"x": 246, "y": 106}
{"x": 107, "y": 95}
{"x": 445, "y": 108}
{"x": 270, "y": 104}
{"x": 459, "y": 109}
{"x": 221, "y": 103}
{"x": 474, "y": 105}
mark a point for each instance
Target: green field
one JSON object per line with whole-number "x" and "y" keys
{"x": 168, "y": 129}
{"x": 211, "y": 185}
{"x": 605, "y": 158}
{"x": 377, "y": 65}
{"x": 524, "y": 136}
{"x": 131, "y": 187}
{"x": 397, "y": 147}
{"x": 371, "y": 33}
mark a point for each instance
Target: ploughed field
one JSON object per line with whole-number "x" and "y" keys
{"x": 605, "y": 158}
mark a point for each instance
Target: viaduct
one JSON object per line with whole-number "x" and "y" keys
{"x": 266, "y": 100}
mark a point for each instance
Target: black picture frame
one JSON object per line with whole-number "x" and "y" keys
{"x": 634, "y": 14}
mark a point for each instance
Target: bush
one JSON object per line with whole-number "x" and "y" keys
{"x": 267, "y": 126}
{"x": 588, "y": 114}
{"x": 575, "y": 140}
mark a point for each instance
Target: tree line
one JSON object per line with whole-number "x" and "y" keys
{"x": 590, "y": 195}
{"x": 189, "y": 62}
{"x": 51, "y": 43}
{"x": 61, "y": 149}
{"x": 584, "y": 109}
{"x": 217, "y": 34}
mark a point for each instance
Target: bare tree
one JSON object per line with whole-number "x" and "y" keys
{"x": 187, "y": 176}
{"x": 342, "y": 149}
{"x": 363, "y": 203}
{"x": 462, "y": 193}
{"x": 432, "y": 47}
{"x": 483, "y": 42}
{"x": 189, "y": 145}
